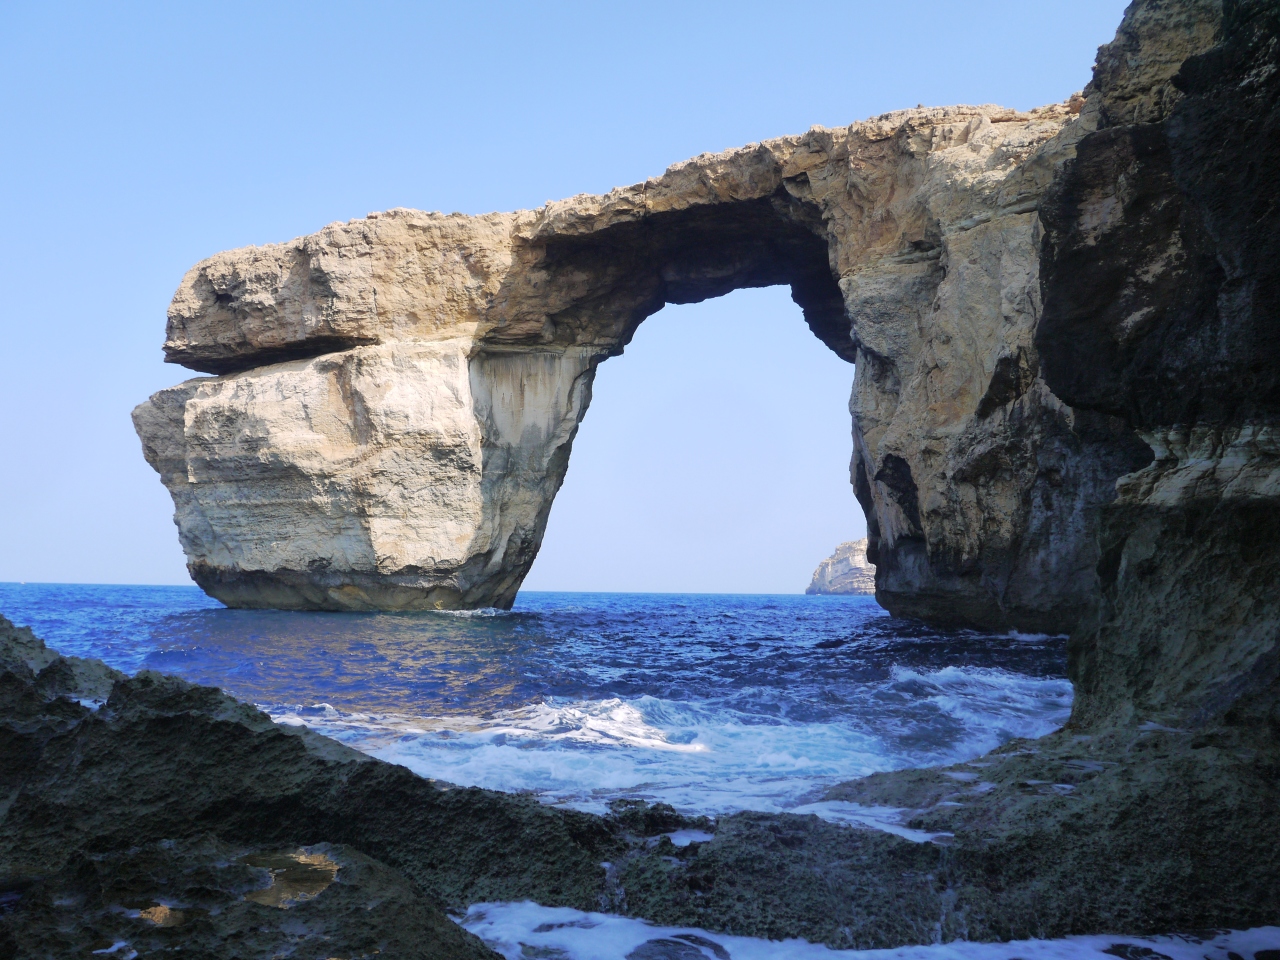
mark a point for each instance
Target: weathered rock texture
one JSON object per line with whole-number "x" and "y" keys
{"x": 168, "y": 795}
{"x": 1161, "y": 281}
{"x": 845, "y": 571}
{"x": 397, "y": 396}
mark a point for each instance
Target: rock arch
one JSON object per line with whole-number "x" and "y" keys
{"x": 396, "y": 397}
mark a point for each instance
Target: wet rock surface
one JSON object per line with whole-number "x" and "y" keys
{"x": 205, "y": 898}
{"x": 1138, "y": 830}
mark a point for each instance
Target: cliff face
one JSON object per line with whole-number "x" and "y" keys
{"x": 397, "y": 396}
{"x": 1162, "y": 270}
{"x": 846, "y": 571}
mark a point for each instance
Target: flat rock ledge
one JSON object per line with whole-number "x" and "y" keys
{"x": 846, "y": 571}
{"x": 151, "y": 811}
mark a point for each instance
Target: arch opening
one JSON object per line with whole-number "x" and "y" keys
{"x": 699, "y": 253}
{"x": 713, "y": 459}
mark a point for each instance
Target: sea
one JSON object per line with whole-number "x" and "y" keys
{"x": 712, "y": 703}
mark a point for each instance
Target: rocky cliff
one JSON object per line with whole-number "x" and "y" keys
{"x": 846, "y": 571}
{"x": 1023, "y": 294}
{"x": 1161, "y": 283}
{"x": 396, "y": 397}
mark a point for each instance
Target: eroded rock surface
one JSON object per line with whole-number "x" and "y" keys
{"x": 846, "y": 571}
{"x": 397, "y": 396}
{"x": 1161, "y": 282}
{"x": 149, "y": 810}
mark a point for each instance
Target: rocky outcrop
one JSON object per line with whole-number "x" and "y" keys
{"x": 1162, "y": 271}
{"x": 396, "y": 397}
{"x": 154, "y": 812}
{"x": 846, "y": 571}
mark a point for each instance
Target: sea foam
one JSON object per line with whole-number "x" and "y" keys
{"x": 522, "y": 930}
{"x": 708, "y": 757}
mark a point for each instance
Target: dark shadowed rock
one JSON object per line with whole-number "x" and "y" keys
{"x": 1161, "y": 283}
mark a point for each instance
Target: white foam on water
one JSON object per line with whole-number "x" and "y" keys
{"x": 995, "y": 704}
{"x": 521, "y": 930}
{"x": 885, "y": 819}
{"x": 694, "y": 757}
{"x": 682, "y": 838}
{"x": 705, "y": 757}
{"x": 1036, "y": 637}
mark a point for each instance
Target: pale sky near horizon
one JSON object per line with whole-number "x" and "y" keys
{"x": 140, "y": 138}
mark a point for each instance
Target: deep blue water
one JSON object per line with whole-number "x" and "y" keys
{"x": 710, "y": 702}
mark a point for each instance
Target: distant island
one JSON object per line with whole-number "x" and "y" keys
{"x": 845, "y": 571}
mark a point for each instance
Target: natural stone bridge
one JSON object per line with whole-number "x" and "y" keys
{"x": 397, "y": 396}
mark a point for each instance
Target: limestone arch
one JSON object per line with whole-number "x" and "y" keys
{"x": 397, "y": 395}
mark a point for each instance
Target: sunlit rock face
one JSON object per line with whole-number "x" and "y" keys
{"x": 845, "y": 572}
{"x": 396, "y": 397}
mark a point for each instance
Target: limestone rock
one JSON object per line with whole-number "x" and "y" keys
{"x": 1161, "y": 279}
{"x": 845, "y": 571}
{"x": 397, "y": 396}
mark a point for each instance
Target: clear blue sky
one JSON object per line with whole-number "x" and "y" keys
{"x": 139, "y": 138}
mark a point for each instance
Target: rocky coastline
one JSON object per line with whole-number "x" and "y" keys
{"x": 1066, "y": 416}
{"x": 153, "y": 812}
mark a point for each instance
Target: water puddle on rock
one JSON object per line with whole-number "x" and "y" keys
{"x": 294, "y": 877}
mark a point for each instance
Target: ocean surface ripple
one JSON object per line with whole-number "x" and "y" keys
{"x": 712, "y": 703}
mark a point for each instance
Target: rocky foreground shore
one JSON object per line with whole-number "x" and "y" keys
{"x": 154, "y": 813}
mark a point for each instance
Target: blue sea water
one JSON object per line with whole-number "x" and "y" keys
{"x": 713, "y": 703}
